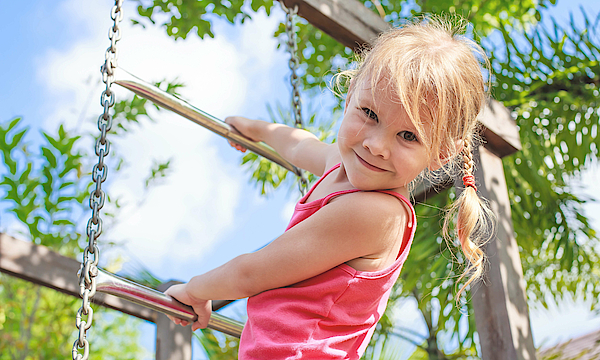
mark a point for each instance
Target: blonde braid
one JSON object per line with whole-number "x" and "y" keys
{"x": 468, "y": 166}
{"x": 473, "y": 222}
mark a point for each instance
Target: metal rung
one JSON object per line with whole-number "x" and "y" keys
{"x": 122, "y": 288}
{"x": 190, "y": 112}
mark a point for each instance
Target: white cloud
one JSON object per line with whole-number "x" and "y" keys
{"x": 183, "y": 218}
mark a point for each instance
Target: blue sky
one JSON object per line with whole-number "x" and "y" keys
{"x": 206, "y": 212}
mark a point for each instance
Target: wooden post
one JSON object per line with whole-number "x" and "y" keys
{"x": 500, "y": 301}
{"x": 173, "y": 342}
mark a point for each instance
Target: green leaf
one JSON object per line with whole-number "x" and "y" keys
{"x": 13, "y": 123}
{"x": 24, "y": 178}
{"x": 62, "y": 199}
{"x": 63, "y": 222}
{"x": 66, "y": 184}
{"x": 16, "y": 140}
{"x": 49, "y": 156}
{"x": 55, "y": 144}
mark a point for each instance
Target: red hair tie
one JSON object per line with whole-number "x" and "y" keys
{"x": 469, "y": 180}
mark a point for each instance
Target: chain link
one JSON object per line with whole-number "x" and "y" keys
{"x": 294, "y": 62}
{"x": 302, "y": 182}
{"x": 89, "y": 265}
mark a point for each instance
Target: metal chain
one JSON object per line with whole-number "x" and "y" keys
{"x": 293, "y": 63}
{"x": 302, "y": 182}
{"x": 89, "y": 265}
{"x": 292, "y": 46}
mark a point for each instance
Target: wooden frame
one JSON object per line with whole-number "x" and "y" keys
{"x": 501, "y": 307}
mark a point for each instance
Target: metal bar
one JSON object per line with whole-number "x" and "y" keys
{"x": 111, "y": 284}
{"x": 190, "y": 112}
{"x": 219, "y": 304}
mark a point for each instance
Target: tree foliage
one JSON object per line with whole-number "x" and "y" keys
{"x": 45, "y": 190}
{"x": 46, "y": 187}
{"x": 38, "y": 323}
{"x": 218, "y": 346}
{"x": 549, "y": 77}
{"x": 547, "y": 73}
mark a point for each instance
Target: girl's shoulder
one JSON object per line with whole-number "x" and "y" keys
{"x": 382, "y": 204}
{"x": 383, "y": 219}
{"x": 380, "y": 216}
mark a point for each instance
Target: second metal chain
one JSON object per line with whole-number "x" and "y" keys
{"x": 292, "y": 46}
{"x": 89, "y": 265}
{"x": 293, "y": 63}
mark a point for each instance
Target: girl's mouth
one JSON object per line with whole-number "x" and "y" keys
{"x": 368, "y": 165}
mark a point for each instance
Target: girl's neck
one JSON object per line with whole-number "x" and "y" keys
{"x": 341, "y": 179}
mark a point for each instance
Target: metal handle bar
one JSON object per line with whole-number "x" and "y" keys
{"x": 190, "y": 112}
{"x": 122, "y": 288}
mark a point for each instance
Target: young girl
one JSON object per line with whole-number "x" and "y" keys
{"x": 318, "y": 290}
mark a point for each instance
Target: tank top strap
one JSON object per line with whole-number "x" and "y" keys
{"x": 412, "y": 218}
{"x": 411, "y": 226}
{"x": 412, "y": 215}
{"x": 328, "y": 198}
{"x": 303, "y": 199}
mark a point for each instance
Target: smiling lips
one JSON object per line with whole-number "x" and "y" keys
{"x": 369, "y": 166}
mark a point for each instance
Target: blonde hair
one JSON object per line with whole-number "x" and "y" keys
{"x": 436, "y": 73}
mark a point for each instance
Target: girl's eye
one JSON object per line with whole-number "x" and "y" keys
{"x": 408, "y": 136}
{"x": 370, "y": 113}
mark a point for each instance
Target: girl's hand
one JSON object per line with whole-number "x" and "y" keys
{"x": 202, "y": 308}
{"x": 241, "y": 126}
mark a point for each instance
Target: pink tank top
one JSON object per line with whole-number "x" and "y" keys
{"x": 329, "y": 316}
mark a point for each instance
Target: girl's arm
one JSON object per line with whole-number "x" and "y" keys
{"x": 352, "y": 226}
{"x": 299, "y": 147}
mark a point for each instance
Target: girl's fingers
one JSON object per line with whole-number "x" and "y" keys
{"x": 237, "y": 146}
{"x": 177, "y": 321}
{"x": 197, "y": 325}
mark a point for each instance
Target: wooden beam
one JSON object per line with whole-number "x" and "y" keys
{"x": 347, "y": 21}
{"x": 42, "y": 266}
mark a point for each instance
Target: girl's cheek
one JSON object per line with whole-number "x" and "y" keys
{"x": 355, "y": 128}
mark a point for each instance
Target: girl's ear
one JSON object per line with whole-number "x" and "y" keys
{"x": 446, "y": 156}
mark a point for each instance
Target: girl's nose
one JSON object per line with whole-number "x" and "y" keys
{"x": 377, "y": 146}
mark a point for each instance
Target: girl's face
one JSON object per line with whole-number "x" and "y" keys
{"x": 378, "y": 143}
